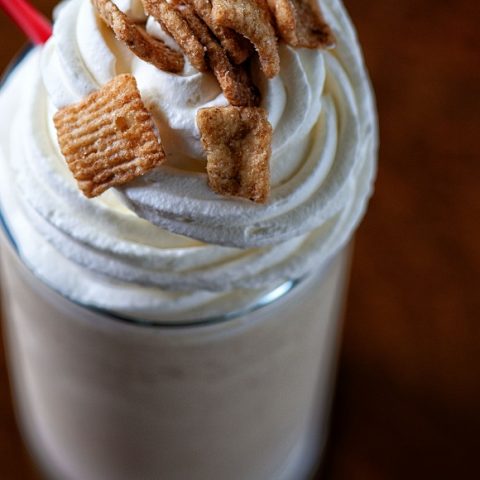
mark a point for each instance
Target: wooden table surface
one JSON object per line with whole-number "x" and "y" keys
{"x": 408, "y": 394}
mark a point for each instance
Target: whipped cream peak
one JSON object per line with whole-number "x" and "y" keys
{"x": 165, "y": 247}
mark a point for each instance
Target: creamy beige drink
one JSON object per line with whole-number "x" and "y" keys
{"x": 245, "y": 398}
{"x": 161, "y": 330}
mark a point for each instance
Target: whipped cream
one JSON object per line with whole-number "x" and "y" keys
{"x": 165, "y": 247}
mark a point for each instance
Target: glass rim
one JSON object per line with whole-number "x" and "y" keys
{"x": 262, "y": 301}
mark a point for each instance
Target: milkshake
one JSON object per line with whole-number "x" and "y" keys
{"x": 161, "y": 330}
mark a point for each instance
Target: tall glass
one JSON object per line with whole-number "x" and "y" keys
{"x": 246, "y": 397}
{"x": 241, "y": 396}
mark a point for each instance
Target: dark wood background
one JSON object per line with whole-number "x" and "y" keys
{"x": 408, "y": 393}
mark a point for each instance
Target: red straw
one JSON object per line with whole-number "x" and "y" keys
{"x": 37, "y": 28}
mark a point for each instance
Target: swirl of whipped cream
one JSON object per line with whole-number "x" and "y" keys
{"x": 165, "y": 247}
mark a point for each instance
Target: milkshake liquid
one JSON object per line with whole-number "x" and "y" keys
{"x": 243, "y": 399}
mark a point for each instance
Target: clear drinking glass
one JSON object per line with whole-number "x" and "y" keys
{"x": 242, "y": 396}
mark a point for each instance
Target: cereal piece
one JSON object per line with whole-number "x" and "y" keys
{"x": 145, "y": 47}
{"x": 173, "y": 22}
{"x": 237, "y": 46}
{"x": 252, "y": 19}
{"x": 234, "y": 80}
{"x": 312, "y": 30}
{"x": 108, "y": 138}
{"x": 238, "y": 145}
{"x": 301, "y": 23}
{"x": 283, "y": 12}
